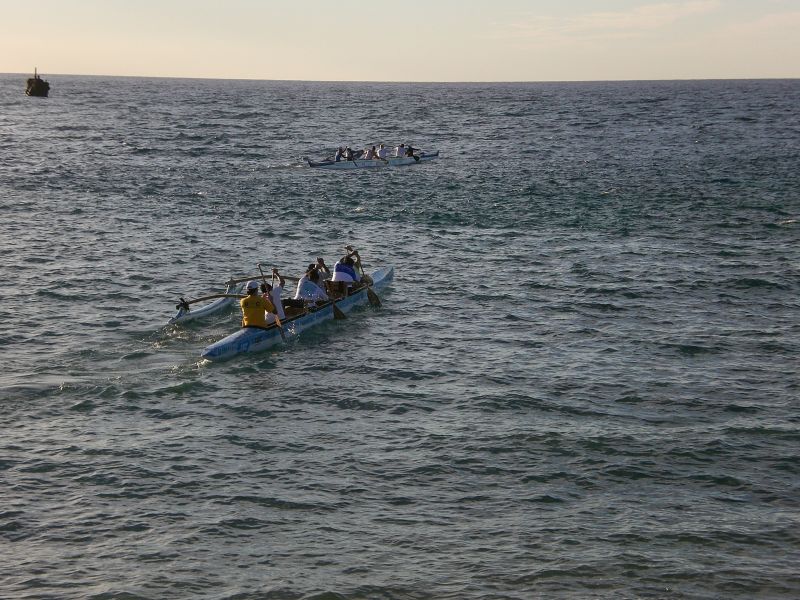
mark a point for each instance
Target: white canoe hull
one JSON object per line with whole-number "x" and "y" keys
{"x": 251, "y": 339}
{"x": 399, "y": 161}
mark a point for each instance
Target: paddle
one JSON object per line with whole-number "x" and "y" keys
{"x": 371, "y": 295}
{"x": 337, "y": 312}
{"x": 277, "y": 319}
{"x": 243, "y": 279}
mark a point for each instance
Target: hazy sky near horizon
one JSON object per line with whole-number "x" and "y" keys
{"x": 437, "y": 40}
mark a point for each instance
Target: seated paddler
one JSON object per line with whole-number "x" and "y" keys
{"x": 272, "y": 292}
{"x": 310, "y": 287}
{"x": 255, "y": 307}
{"x": 345, "y": 270}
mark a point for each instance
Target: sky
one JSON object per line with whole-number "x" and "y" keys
{"x": 380, "y": 40}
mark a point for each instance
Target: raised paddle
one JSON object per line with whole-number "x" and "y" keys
{"x": 277, "y": 319}
{"x": 243, "y": 279}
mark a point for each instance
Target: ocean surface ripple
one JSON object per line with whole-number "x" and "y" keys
{"x": 583, "y": 381}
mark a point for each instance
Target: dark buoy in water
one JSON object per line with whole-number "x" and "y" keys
{"x": 37, "y": 86}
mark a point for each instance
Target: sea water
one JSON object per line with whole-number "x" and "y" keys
{"x": 582, "y": 383}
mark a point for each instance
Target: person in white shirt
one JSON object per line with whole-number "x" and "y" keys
{"x": 311, "y": 286}
{"x": 273, "y": 293}
{"x": 400, "y": 150}
{"x": 383, "y": 151}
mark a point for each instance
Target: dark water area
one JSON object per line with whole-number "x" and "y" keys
{"x": 582, "y": 383}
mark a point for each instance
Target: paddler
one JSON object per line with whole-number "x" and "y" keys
{"x": 346, "y": 269}
{"x": 273, "y": 294}
{"x": 255, "y": 307}
{"x": 311, "y": 286}
{"x": 352, "y": 268}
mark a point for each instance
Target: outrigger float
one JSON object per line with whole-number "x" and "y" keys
{"x": 221, "y": 301}
{"x": 373, "y": 163}
{"x": 256, "y": 339}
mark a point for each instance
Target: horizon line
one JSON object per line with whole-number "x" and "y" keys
{"x": 787, "y": 78}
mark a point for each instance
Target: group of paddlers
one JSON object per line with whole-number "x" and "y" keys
{"x": 380, "y": 152}
{"x": 318, "y": 284}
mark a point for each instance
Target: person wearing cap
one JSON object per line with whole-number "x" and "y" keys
{"x": 273, "y": 294}
{"x": 255, "y": 307}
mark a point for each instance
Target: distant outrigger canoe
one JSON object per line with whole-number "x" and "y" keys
{"x": 36, "y": 86}
{"x": 359, "y": 163}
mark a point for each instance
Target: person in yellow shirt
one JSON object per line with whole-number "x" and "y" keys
{"x": 255, "y": 307}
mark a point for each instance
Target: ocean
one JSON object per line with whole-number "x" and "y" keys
{"x": 583, "y": 381}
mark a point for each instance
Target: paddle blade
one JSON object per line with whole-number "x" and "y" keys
{"x": 373, "y": 297}
{"x": 337, "y": 312}
{"x": 280, "y": 327}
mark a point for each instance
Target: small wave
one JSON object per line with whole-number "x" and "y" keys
{"x": 689, "y": 349}
{"x": 134, "y": 355}
{"x": 180, "y": 389}
{"x": 754, "y": 282}
{"x": 786, "y": 434}
{"x": 274, "y": 503}
{"x": 748, "y": 410}
{"x": 545, "y": 499}
{"x": 601, "y": 306}
{"x": 719, "y": 480}
{"x": 632, "y": 473}
{"x": 83, "y": 406}
{"x": 73, "y": 127}
{"x": 655, "y": 100}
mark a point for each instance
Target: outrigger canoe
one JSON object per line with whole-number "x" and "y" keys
{"x": 394, "y": 161}
{"x": 253, "y": 339}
